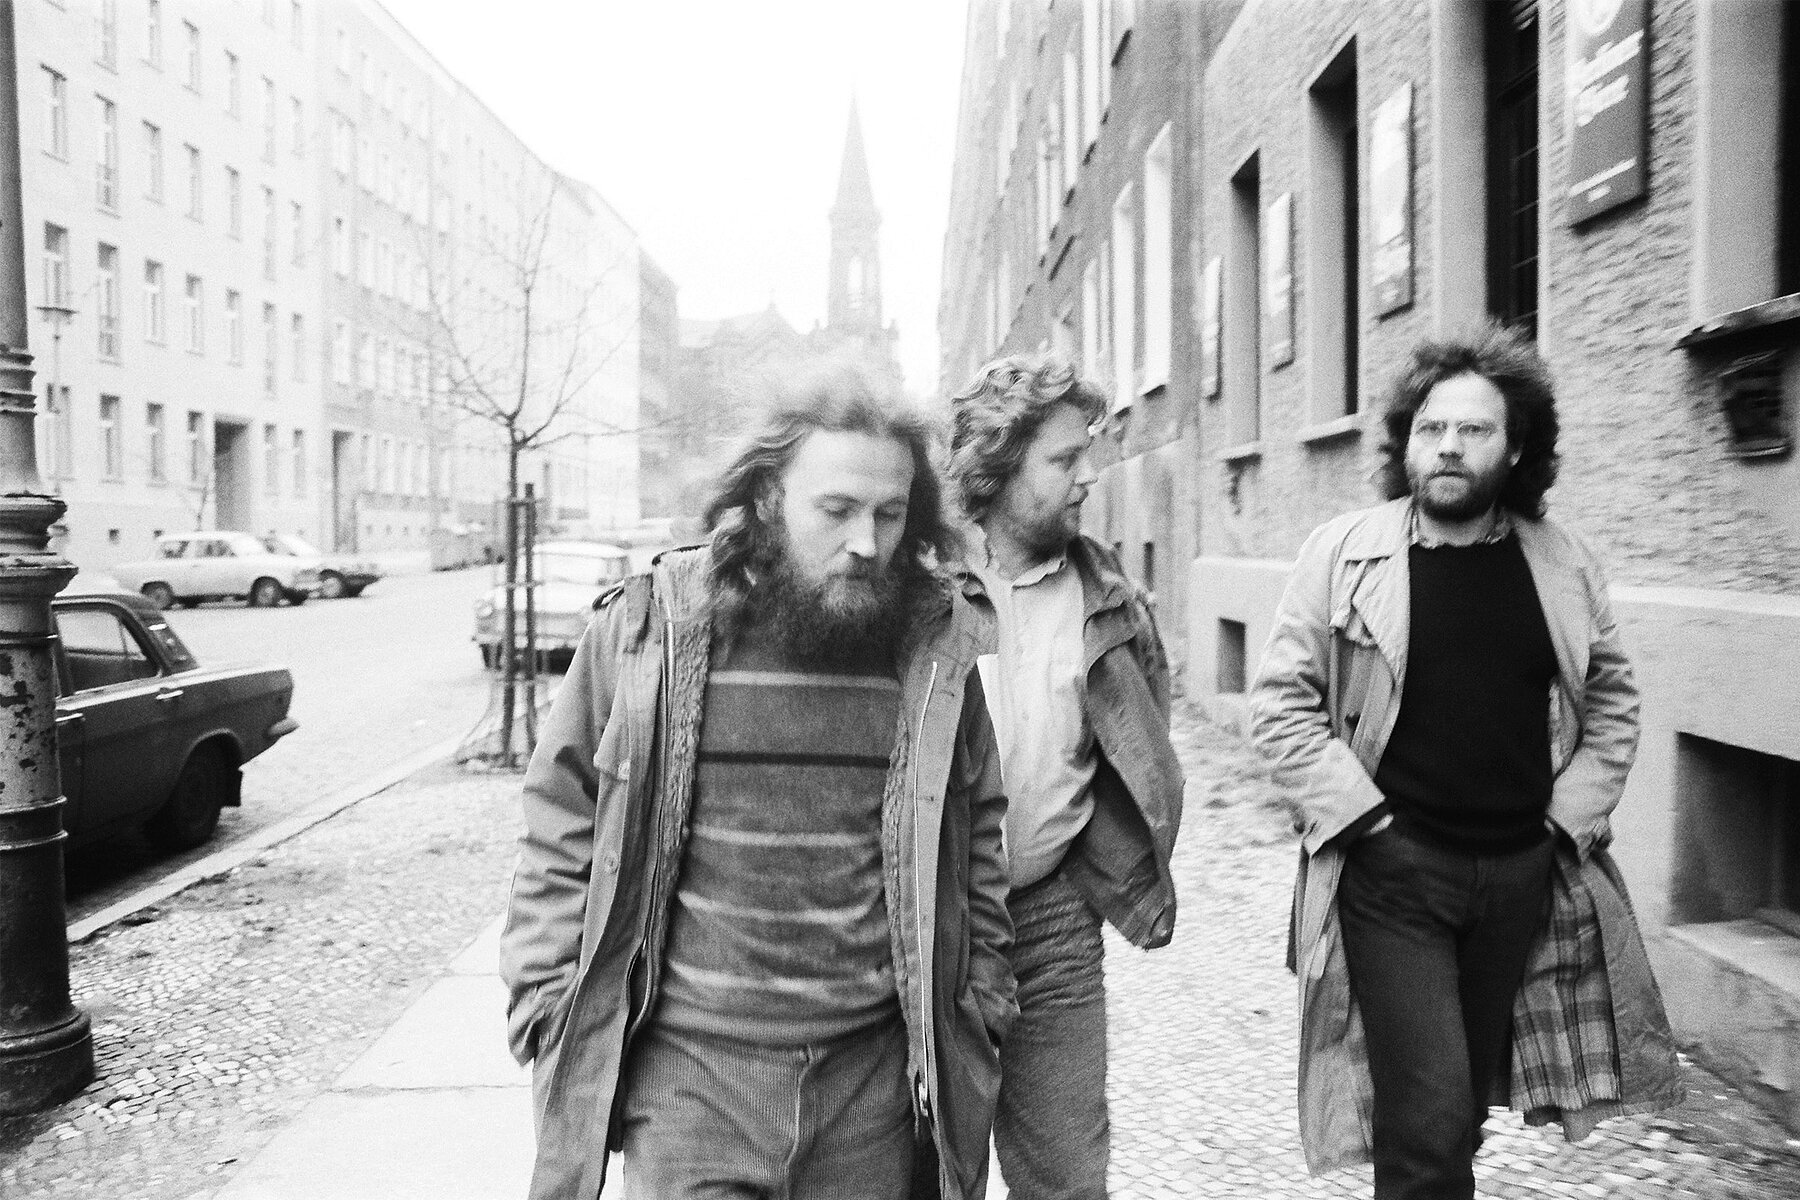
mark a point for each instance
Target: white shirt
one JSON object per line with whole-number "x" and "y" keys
{"x": 1037, "y": 697}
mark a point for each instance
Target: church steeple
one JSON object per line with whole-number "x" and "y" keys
{"x": 854, "y": 301}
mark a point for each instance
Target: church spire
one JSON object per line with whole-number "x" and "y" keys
{"x": 853, "y": 304}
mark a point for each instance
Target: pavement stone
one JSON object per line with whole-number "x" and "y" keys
{"x": 313, "y": 1005}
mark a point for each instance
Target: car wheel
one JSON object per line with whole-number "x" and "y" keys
{"x": 489, "y": 656}
{"x": 265, "y": 593}
{"x": 354, "y": 590}
{"x": 192, "y": 812}
{"x": 188, "y": 602}
{"x": 159, "y": 594}
{"x": 331, "y": 586}
{"x": 296, "y": 596}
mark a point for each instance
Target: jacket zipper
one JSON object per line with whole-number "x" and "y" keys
{"x": 640, "y": 957}
{"x": 925, "y": 947}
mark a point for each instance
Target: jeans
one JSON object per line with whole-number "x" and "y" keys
{"x": 714, "y": 1118}
{"x": 1436, "y": 942}
{"x": 1050, "y": 1128}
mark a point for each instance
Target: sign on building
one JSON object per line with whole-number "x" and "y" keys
{"x": 1609, "y": 104}
{"x": 1390, "y": 202}
{"x": 1210, "y": 294}
{"x": 1278, "y": 237}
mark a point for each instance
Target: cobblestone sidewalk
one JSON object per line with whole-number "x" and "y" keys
{"x": 1204, "y": 1035}
{"x": 218, "y": 1015}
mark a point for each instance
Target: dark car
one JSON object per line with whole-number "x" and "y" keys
{"x": 147, "y": 735}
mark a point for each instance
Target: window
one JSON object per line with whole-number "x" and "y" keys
{"x": 271, "y": 461}
{"x": 234, "y": 101}
{"x": 269, "y": 337}
{"x": 340, "y": 352}
{"x": 365, "y": 259}
{"x": 297, "y": 461}
{"x": 297, "y": 224}
{"x": 296, "y": 25}
{"x": 390, "y": 466}
{"x": 58, "y": 433}
{"x": 108, "y": 264}
{"x": 1073, "y": 145}
{"x": 106, "y": 166}
{"x": 1512, "y": 166}
{"x": 1159, "y": 255}
{"x": 234, "y": 202}
{"x": 196, "y": 448}
{"x": 341, "y": 134}
{"x": 340, "y": 246}
{"x": 57, "y": 135}
{"x": 1333, "y": 273}
{"x": 297, "y": 346}
{"x": 1090, "y": 74}
{"x": 112, "y": 453}
{"x": 268, "y": 233}
{"x": 1093, "y": 321}
{"x": 109, "y": 34}
{"x": 365, "y": 361}
{"x": 234, "y": 327}
{"x": 384, "y": 367}
{"x": 365, "y": 74}
{"x": 1124, "y": 299}
{"x": 155, "y": 324}
{"x": 155, "y": 438}
{"x": 193, "y": 54}
{"x": 196, "y": 316}
{"x": 342, "y": 57}
{"x": 153, "y": 162}
{"x": 298, "y": 110}
{"x": 153, "y": 33}
{"x": 1241, "y": 348}
{"x": 268, "y": 119}
{"x": 384, "y": 267}
{"x": 56, "y": 265}
{"x": 365, "y": 162}
{"x": 195, "y": 187}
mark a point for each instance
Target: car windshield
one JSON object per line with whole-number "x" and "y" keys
{"x": 287, "y": 543}
{"x": 569, "y": 567}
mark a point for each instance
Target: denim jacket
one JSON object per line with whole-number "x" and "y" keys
{"x": 1120, "y": 860}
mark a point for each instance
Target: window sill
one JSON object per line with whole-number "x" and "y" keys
{"x": 1343, "y": 428}
{"x": 1246, "y": 453}
{"x": 1771, "y": 320}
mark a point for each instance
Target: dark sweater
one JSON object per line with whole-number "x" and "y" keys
{"x": 778, "y": 932}
{"x": 1468, "y": 764}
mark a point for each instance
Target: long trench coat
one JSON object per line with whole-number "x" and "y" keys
{"x": 606, "y": 805}
{"x": 1590, "y": 1038}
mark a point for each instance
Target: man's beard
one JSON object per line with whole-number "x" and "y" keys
{"x": 843, "y": 618}
{"x": 1462, "y": 504}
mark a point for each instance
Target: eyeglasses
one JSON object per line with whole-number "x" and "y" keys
{"x": 1476, "y": 433}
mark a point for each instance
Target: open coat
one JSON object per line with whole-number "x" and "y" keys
{"x": 1590, "y": 1039}
{"x": 606, "y": 802}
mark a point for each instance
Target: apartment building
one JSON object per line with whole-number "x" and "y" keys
{"x": 255, "y": 222}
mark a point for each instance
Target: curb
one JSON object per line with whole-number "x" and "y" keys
{"x": 238, "y": 853}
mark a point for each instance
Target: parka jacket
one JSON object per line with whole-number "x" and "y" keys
{"x": 607, "y": 799}
{"x": 1590, "y": 1038}
{"x": 1120, "y": 860}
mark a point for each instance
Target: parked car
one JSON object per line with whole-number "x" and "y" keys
{"x": 339, "y": 574}
{"x": 218, "y": 565}
{"x": 145, "y": 733}
{"x": 569, "y": 576}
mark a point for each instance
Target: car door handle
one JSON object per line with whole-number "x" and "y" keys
{"x": 168, "y": 694}
{"x": 73, "y": 718}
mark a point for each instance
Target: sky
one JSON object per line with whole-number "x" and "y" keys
{"x": 716, "y": 129}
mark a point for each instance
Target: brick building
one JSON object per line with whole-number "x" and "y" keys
{"x": 1620, "y": 177}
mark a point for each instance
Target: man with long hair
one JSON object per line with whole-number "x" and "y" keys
{"x": 1445, "y": 698}
{"x": 757, "y": 935}
{"x": 1078, "y": 686}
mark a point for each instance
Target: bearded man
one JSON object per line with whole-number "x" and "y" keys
{"x": 1446, "y": 700}
{"x": 1078, "y": 686}
{"x": 757, "y": 935}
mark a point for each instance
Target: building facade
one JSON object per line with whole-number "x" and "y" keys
{"x": 1618, "y": 179}
{"x": 251, "y": 221}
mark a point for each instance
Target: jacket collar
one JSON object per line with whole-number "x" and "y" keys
{"x": 1103, "y": 584}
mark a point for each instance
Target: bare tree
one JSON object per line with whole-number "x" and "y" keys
{"x": 520, "y": 330}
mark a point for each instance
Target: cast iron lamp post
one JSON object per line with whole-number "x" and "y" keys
{"x": 46, "y": 1049}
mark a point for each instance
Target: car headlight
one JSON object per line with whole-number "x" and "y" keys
{"x": 484, "y": 609}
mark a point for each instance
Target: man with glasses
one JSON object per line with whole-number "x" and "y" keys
{"x": 1445, "y": 698}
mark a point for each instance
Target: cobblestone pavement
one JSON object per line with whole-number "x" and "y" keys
{"x": 224, "y": 1012}
{"x": 220, "y": 1014}
{"x": 1204, "y": 1035}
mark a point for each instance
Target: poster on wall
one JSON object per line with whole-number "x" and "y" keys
{"x": 1278, "y": 241}
{"x": 1609, "y": 104}
{"x": 1209, "y": 329}
{"x": 1390, "y": 202}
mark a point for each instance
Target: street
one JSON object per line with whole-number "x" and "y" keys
{"x": 222, "y": 1013}
{"x": 376, "y": 679}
